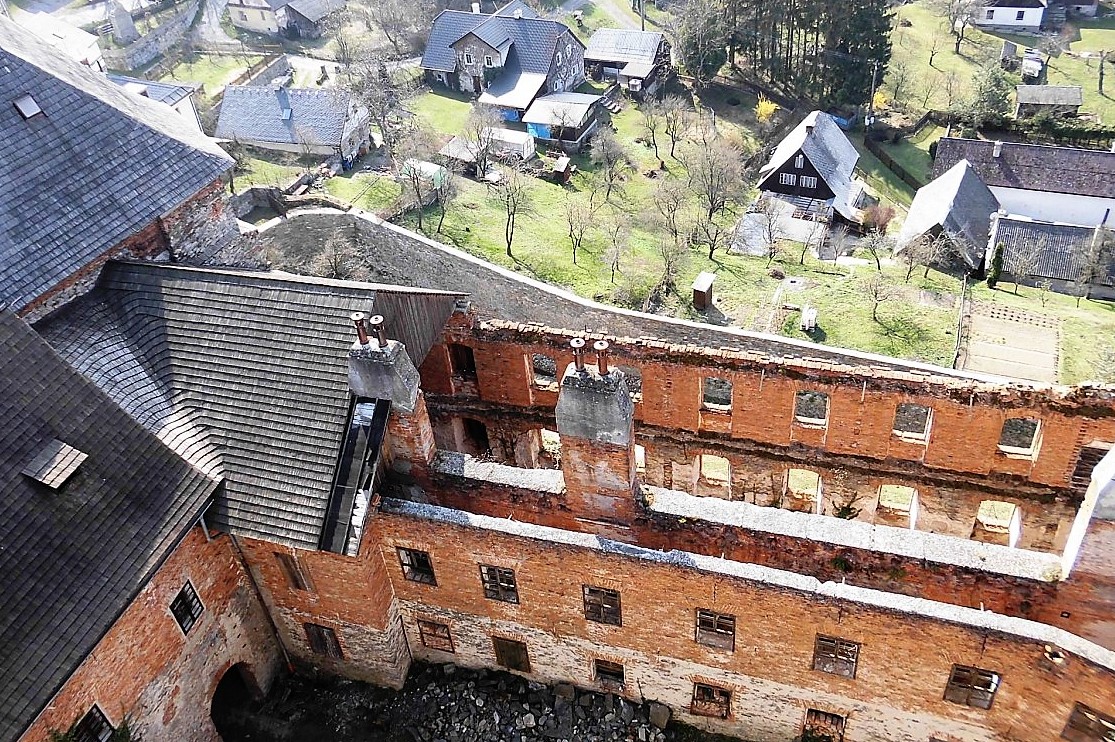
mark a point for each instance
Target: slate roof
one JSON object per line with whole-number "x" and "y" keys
{"x": 828, "y": 149}
{"x": 315, "y": 10}
{"x": 533, "y": 39}
{"x": 1062, "y": 246}
{"x": 169, "y": 93}
{"x": 570, "y": 108}
{"x": 960, "y": 204}
{"x": 1035, "y": 167}
{"x": 447, "y": 28}
{"x": 255, "y": 113}
{"x": 243, "y": 373}
{"x": 72, "y": 558}
{"x": 96, "y": 167}
{"x": 621, "y": 45}
{"x": 1051, "y": 95}
{"x": 1016, "y": 3}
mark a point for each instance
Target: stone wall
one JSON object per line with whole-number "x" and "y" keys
{"x": 155, "y": 42}
{"x": 163, "y": 681}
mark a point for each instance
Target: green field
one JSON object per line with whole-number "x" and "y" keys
{"x": 211, "y": 70}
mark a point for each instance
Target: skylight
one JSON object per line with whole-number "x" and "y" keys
{"x": 55, "y": 463}
{"x": 27, "y": 106}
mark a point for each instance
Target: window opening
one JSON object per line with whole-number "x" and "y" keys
{"x": 1088, "y": 725}
{"x": 511, "y": 654}
{"x": 1019, "y": 15}
{"x": 609, "y": 674}
{"x": 898, "y": 501}
{"x": 93, "y": 727}
{"x": 468, "y": 58}
{"x": 715, "y": 473}
{"x": 808, "y": 181}
{"x": 1019, "y": 435}
{"x": 602, "y": 605}
{"x": 803, "y": 491}
{"x": 716, "y": 629}
{"x": 821, "y": 725}
{"x": 708, "y": 700}
{"x": 435, "y": 635}
{"x": 544, "y": 370}
{"x": 499, "y": 583}
{"x": 476, "y": 435}
{"x": 971, "y": 686}
{"x": 462, "y": 361}
{"x": 640, "y": 459}
{"x": 296, "y": 578}
{"x": 998, "y": 522}
{"x": 716, "y": 394}
{"x": 323, "y": 641}
{"x": 811, "y": 408}
{"x": 912, "y": 421}
{"x": 835, "y": 656}
{"x": 187, "y": 607}
{"x": 787, "y": 179}
{"x": 799, "y": 162}
{"x": 417, "y": 566}
{"x": 27, "y": 106}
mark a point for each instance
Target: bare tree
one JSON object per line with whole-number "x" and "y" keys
{"x": 578, "y": 218}
{"x": 709, "y": 232}
{"x": 1103, "y": 60}
{"x": 959, "y": 14}
{"x": 673, "y": 250}
{"x": 878, "y": 291}
{"x": 876, "y": 244}
{"x": 336, "y": 27}
{"x": 338, "y": 259}
{"x": 610, "y": 154}
{"x": 514, "y": 195}
{"x": 934, "y": 47}
{"x": 616, "y": 230}
{"x": 479, "y": 133}
{"x": 446, "y": 191}
{"x": 417, "y": 148}
{"x": 1092, "y": 261}
{"x": 715, "y": 168}
{"x": 382, "y": 92}
{"x": 651, "y": 119}
{"x": 1021, "y": 260}
{"x": 769, "y": 210}
{"x": 399, "y": 20}
{"x": 675, "y": 119}
{"x": 900, "y": 78}
{"x": 670, "y": 197}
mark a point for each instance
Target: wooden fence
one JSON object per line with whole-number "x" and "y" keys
{"x": 904, "y": 175}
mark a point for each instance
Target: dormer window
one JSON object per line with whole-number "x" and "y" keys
{"x": 799, "y": 162}
{"x": 488, "y": 61}
{"x": 27, "y": 106}
{"x": 468, "y": 58}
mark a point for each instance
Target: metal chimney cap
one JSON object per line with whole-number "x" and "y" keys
{"x": 577, "y": 343}
{"x": 600, "y": 345}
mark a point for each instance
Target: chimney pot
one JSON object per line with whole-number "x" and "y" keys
{"x": 601, "y": 348}
{"x": 377, "y": 330}
{"x": 578, "y": 345}
{"x": 361, "y": 331}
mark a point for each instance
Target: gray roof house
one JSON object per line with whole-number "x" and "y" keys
{"x": 633, "y": 58}
{"x": 507, "y": 58}
{"x": 94, "y": 163}
{"x": 1060, "y": 253}
{"x": 958, "y": 204}
{"x": 1059, "y": 100}
{"x": 304, "y": 18}
{"x": 179, "y": 96}
{"x": 302, "y": 121}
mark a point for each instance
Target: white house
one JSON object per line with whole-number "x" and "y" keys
{"x": 74, "y": 42}
{"x": 1010, "y": 15}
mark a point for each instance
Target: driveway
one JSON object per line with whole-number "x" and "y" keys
{"x": 209, "y": 29}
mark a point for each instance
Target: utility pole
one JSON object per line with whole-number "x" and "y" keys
{"x": 1103, "y": 59}
{"x": 643, "y": 19}
{"x": 871, "y": 101}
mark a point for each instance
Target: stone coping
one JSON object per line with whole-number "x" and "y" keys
{"x": 455, "y": 464}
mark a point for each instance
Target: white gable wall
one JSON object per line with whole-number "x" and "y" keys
{"x": 1056, "y": 207}
{"x": 1005, "y": 17}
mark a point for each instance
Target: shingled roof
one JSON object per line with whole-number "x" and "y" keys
{"x": 1062, "y": 246}
{"x": 828, "y": 149}
{"x": 622, "y": 45}
{"x": 1051, "y": 95}
{"x": 958, "y": 203}
{"x": 95, "y": 167}
{"x": 73, "y": 557}
{"x": 283, "y": 115}
{"x": 244, "y": 373}
{"x": 1035, "y": 167}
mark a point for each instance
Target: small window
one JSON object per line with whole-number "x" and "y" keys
{"x": 811, "y": 408}
{"x": 912, "y": 421}
{"x": 435, "y": 635}
{"x": 93, "y": 727}
{"x": 897, "y": 501}
{"x": 803, "y": 491}
{"x": 243, "y": 15}
{"x": 602, "y": 605}
{"x": 499, "y": 583}
{"x": 417, "y": 566}
{"x": 998, "y": 522}
{"x": 1019, "y": 15}
{"x": 716, "y": 394}
{"x": 186, "y": 607}
{"x": 1019, "y": 435}
{"x": 634, "y": 379}
{"x": 609, "y": 674}
{"x": 488, "y": 62}
{"x": 544, "y": 370}
{"x": 708, "y": 700}
{"x": 461, "y": 360}
{"x": 468, "y": 58}
{"x": 990, "y": 15}
{"x": 511, "y": 654}
{"x": 263, "y": 15}
{"x": 808, "y": 181}
{"x": 823, "y": 725}
{"x": 787, "y": 179}
{"x": 1088, "y": 725}
{"x": 799, "y": 161}
{"x": 323, "y": 641}
{"x": 715, "y": 476}
{"x": 296, "y": 578}
{"x": 971, "y": 686}
{"x": 835, "y": 656}
{"x": 716, "y": 629}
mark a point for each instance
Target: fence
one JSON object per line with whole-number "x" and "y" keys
{"x": 904, "y": 175}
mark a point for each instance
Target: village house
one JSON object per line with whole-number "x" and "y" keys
{"x": 302, "y": 121}
{"x": 257, "y": 16}
{"x": 305, "y": 19}
{"x": 178, "y": 96}
{"x": 1010, "y": 15}
{"x": 67, "y": 38}
{"x": 1066, "y": 257}
{"x": 638, "y": 60}
{"x": 210, "y": 475}
{"x": 507, "y": 58}
{"x": 1055, "y": 100}
{"x": 568, "y": 117}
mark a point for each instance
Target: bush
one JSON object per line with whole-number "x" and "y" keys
{"x": 996, "y": 269}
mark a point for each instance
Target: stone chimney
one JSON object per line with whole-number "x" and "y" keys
{"x": 379, "y": 368}
{"x": 596, "y": 422}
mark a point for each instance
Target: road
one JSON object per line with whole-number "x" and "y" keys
{"x": 614, "y": 9}
{"x": 209, "y": 29}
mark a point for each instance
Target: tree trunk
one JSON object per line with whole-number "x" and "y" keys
{"x": 509, "y": 232}
{"x": 875, "y": 311}
{"x": 926, "y": 272}
{"x": 441, "y": 219}
{"x": 909, "y": 271}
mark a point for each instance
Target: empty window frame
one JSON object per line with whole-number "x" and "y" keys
{"x": 511, "y": 654}
{"x": 799, "y": 161}
{"x": 602, "y": 605}
{"x": 787, "y": 179}
{"x": 543, "y": 370}
{"x": 971, "y": 686}
{"x": 808, "y": 181}
{"x": 499, "y": 583}
{"x": 802, "y": 490}
{"x": 93, "y": 727}
{"x": 716, "y": 394}
{"x": 1088, "y": 725}
{"x": 435, "y": 635}
{"x": 187, "y": 607}
{"x": 823, "y": 725}
{"x": 709, "y": 700}
{"x": 836, "y": 656}
{"x": 998, "y": 522}
{"x": 634, "y": 379}
{"x": 1019, "y": 435}
{"x": 811, "y": 408}
{"x": 716, "y": 629}
{"x": 417, "y": 566}
{"x": 323, "y": 641}
{"x": 715, "y": 471}
{"x": 898, "y": 500}
{"x": 640, "y": 459}
{"x": 912, "y": 421}
{"x": 609, "y": 674}
{"x": 462, "y": 362}
{"x": 296, "y": 577}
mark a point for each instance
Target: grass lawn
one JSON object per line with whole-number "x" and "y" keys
{"x": 593, "y": 19}
{"x": 266, "y": 168}
{"x": 880, "y": 177}
{"x": 369, "y": 191}
{"x": 443, "y": 111}
{"x": 213, "y": 71}
{"x": 913, "y": 153}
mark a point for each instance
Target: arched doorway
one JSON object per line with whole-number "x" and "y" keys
{"x": 233, "y": 704}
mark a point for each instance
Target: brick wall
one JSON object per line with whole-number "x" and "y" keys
{"x": 904, "y": 664}
{"x": 147, "y": 669}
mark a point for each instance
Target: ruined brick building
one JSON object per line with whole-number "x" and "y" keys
{"x": 210, "y": 474}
